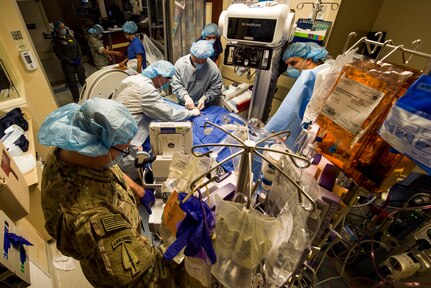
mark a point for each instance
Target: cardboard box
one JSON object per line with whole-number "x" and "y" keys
{"x": 7, "y": 258}
{"x": 22, "y": 269}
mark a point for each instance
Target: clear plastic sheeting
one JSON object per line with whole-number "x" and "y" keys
{"x": 152, "y": 52}
{"x": 243, "y": 239}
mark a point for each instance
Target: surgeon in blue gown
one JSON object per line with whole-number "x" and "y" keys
{"x": 197, "y": 81}
{"x": 304, "y": 62}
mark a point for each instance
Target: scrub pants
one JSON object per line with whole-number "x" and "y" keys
{"x": 69, "y": 72}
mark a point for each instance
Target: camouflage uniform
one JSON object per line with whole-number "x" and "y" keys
{"x": 96, "y": 48}
{"x": 94, "y": 218}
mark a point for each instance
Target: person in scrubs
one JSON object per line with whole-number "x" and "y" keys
{"x": 197, "y": 81}
{"x": 211, "y": 33}
{"x": 140, "y": 94}
{"x": 136, "y": 49}
{"x": 304, "y": 62}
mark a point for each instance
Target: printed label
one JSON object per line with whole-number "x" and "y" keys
{"x": 407, "y": 133}
{"x": 351, "y": 103}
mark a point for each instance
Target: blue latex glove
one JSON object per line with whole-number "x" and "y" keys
{"x": 18, "y": 242}
{"x": 193, "y": 232}
{"x": 148, "y": 200}
{"x": 76, "y": 61}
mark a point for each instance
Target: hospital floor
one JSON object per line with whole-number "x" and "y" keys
{"x": 62, "y": 93}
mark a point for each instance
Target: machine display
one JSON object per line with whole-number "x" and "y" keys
{"x": 262, "y": 24}
{"x": 167, "y": 138}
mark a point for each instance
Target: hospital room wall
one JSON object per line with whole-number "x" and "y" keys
{"x": 34, "y": 89}
{"x": 37, "y": 99}
{"x": 402, "y": 23}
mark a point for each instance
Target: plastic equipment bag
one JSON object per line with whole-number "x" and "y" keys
{"x": 321, "y": 94}
{"x": 152, "y": 52}
{"x": 407, "y": 126}
{"x": 244, "y": 238}
{"x": 288, "y": 249}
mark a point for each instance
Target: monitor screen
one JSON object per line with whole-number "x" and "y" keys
{"x": 260, "y": 30}
{"x": 169, "y": 137}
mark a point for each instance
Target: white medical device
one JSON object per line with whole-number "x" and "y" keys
{"x": 28, "y": 60}
{"x": 167, "y": 138}
{"x": 256, "y": 36}
{"x": 102, "y": 83}
{"x": 265, "y": 23}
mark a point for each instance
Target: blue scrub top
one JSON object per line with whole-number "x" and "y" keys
{"x": 218, "y": 48}
{"x": 136, "y": 47}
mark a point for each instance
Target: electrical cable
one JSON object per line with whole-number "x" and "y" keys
{"x": 345, "y": 261}
{"x": 364, "y": 204}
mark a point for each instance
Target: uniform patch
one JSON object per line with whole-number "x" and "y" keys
{"x": 128, "y": 255}
{"x": 113, "y": 222}
{"x": 130, "y": 259}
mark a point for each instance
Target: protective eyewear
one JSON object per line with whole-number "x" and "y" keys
{"x": 125, "y": 152}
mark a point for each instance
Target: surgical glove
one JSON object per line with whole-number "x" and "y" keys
{"x": 188, "y": 102}
{"x": 194, "y": 231}
{"x": 195, "y": 112}
{"x": 148, "y": 200}
{"x": 76, "y": 61}
{"x": 201, "y": 102}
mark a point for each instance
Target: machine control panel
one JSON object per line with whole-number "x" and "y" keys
{"x": 257, "y": 57}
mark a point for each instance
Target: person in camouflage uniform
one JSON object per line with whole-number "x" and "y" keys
{"x": 90, "y": 206}
{"x": 101, "y": 55}
{"x": 68, "y": 51}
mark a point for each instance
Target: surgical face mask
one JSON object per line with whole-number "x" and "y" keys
{"x": 100, "y": 36}
{"x": 198, "y": 66}
{"x": 212, "y": 41}
{"x": 63, "y": 32}
{"x": 292, "y": 72}
{"x": 165, "y": 86}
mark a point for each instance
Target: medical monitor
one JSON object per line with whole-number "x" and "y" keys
{"x": 251, "y": 29}
{"x": 169, "y": 137}
{"x": 258, "y": 24}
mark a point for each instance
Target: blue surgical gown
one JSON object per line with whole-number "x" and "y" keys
{"x": 291, "y": 111}
{"x": 188, "y": 80}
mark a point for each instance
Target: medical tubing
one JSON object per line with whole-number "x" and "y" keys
{"x": 364, "y": 204}
{"x": 292, "y": 181}
{"x": 344, "y": 263}
{"x": 291, "y": 156}
{"x": 224, "y": 130}
{"x": 213, "y": 168}
{"x": 300, "y": 191}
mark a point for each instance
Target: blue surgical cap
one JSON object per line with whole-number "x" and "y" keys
{"x": 161, "y": 67}
{"x": 210, "y": 29}
{"x": 202, "y": 49}
{"x": 130, "y": 27}
{"x": 57, "y": 25}
{"x": 90, "y": 129}
{"x": 308, "y": 50}
{"x": 96, "y": 30}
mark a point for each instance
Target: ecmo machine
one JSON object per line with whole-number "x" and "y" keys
{"x": 256, "y": 36}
